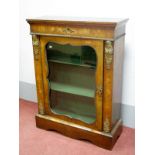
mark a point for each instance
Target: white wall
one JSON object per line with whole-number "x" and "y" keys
{"x": 80, "y": 8}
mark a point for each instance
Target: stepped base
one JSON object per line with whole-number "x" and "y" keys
{"x": 101, "y": 139}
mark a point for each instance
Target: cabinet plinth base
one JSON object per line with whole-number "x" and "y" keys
{"x": 101, "y": 139}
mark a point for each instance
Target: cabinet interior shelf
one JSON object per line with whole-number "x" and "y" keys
{"x": 72, "y": 63}
{"x": 88, "y": 117}
{"x": 66, "y": 88}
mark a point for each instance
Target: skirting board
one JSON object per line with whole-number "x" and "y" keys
{"x": 27, "y": 91}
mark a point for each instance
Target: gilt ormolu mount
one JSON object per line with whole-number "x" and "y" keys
{"x": 78, "y": 68}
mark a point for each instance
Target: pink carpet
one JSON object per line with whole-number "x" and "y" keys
{"x": 35, "y": 141}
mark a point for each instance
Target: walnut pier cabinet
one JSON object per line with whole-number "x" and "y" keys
{"x": 78, "y": 69}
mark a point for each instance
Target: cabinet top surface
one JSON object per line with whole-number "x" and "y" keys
{"x": 82, "y": 20}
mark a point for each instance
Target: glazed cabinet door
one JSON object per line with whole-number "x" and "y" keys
{"x": 72, "y": 73}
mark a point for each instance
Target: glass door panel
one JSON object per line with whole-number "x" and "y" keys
{"x": 71, "y": 78}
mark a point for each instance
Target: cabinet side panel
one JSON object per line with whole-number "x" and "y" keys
{"x": 117, "y": 79}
